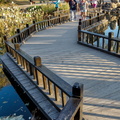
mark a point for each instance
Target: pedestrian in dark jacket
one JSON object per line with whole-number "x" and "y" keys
{"x": 73, "y": 9}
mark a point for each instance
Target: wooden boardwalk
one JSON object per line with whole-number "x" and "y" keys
{"x": 98, "y": 71}
{"x": 29, "y": 87}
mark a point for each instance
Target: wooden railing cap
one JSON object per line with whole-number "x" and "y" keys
{"x": 77, "y": 90}
{"x": 37, "y": 61}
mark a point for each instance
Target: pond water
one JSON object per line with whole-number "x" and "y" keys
{"x": 114, "y": 27}
{"x": 112, "y": 24}
{"x": 12, "y": 104}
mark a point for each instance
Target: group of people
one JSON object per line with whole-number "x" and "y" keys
{"x": 82, "y": 6}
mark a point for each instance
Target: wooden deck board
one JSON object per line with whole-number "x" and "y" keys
{"x": 47, "y": 107}
{"x": 30, "y": 88}
{"x": 98, "y": 71}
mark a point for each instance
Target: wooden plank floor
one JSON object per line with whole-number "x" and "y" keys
{"x": 30, "y": 88}
{"x": 98, "y": 71}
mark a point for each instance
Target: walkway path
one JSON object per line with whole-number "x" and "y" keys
{"x": 99, "y": 72}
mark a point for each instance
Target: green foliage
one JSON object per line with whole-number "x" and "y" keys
{"x": 48, "y": 8}
{"x": 32, "y": 8}
{"x": 64, "y": 6}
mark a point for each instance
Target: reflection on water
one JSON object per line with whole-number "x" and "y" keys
{"x": 12, "y": 107}
{"x": 10, "y": 103}
{"x": 112, "y": 24}
{"x": 113, "y": 27}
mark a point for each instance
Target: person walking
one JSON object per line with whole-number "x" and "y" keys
{"x": 73, "y": 9}
{"x": 83, "y": 5}
{"x": 31, "y": 2}
{"x": 94, "y": 3}
{"x": 56, "y": 4}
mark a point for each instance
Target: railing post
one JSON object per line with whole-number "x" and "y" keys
{"x": 110, "y": 35}
{"x": 90, "y": 21}
{"x": 34, "y": 26}
{"x": 104, "y": 11}
{"x": 98, "y": 15}
{"x": 37, "y": 61}
{"x": 77, "y": 91}
{"x": 48, "y": 21}
{"x": 27, "y": 26}
{"x": 38, "y": 75}
{"x": 17, "y": 47}
{"x": 19, "y": 36}
{"x": 119, "y": 22}
{"x": 80, "y": 21}
{"x": 79, "y": 29}
{"x": 79, "y": 33}
{"x": 59, "y": 18}
{"x": 5, "y": 38}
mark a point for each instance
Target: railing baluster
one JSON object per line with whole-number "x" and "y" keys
{"x": 103, "y": 43}
{"x": 87, "y": 39}
{"x": 19, "y": 40}
{"x": 56, "y": 93}
{"x": 117, "y": 47}
{"x": 97, "y": 41}
{"x": 64, "y": 100}
{"x": 50, "y": 87}
{"x": 31, "y": 69}
{"x": 40, "y": 79}
{"x": 45, "y": 83}
{"x": 92, "y": 39}
{"x": 25, "y": 64}
{"x": 79, "y": 33}
{"x": 17, "y": 47}
{"x": 37, "y": 62}
{"x": 34, "y": 26}
{"x": 110, "y": 35}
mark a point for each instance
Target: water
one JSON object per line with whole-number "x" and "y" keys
{"x": 10, "y": 102}
{"x": 112, "y": 25}
{"x": 116, "y": 30}
{"x": 14, "y": 104}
